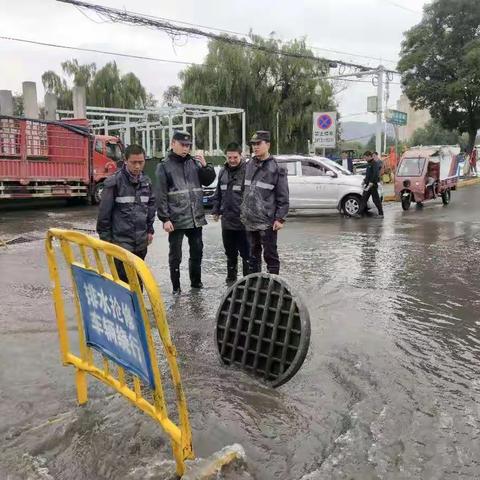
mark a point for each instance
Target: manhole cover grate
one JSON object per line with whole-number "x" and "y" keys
{"x": 264, "y": 328}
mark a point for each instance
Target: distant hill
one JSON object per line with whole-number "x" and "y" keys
{"x": 357, "y": 131}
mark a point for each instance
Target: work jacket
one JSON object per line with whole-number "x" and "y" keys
{"x": 179, "y": 190}
{"x": 265, "y": 195}
{"x": 127, "y": 210}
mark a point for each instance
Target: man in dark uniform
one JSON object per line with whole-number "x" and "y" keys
{"x": 226, "y": 204}
{"x": 180, "y": 206}
{"x": 265, "y": 204}
{"x": 127, "y": 208}
{"x": 370, "y": 183}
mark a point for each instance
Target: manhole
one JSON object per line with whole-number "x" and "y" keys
{"x": 264, "y": 328}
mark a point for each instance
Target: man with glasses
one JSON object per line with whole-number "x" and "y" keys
{"x": 180, "y": 206}
{"x": 265, "y": 204}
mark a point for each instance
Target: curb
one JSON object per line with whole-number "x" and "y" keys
{"x": 461, "y": 184}
{"x": 470, "y": 181}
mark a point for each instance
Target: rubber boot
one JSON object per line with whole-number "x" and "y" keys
{"x": 175, "y": 279}
{"x": 195, "y": 271}
{"x": 245, "y": 267}
{"x": 231, "y": 270}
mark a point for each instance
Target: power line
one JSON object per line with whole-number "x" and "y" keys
{"x": 233, "y": 32}
{"x": 403, "y": 7}
{"x": 174, "y": 30}
{"x": 93, "y": 50}
{"x": 354, "y": 54}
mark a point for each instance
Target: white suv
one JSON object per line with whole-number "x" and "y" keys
{"x": 317, "y": 182}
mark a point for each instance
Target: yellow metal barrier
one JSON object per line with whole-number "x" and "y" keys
{"x": 90, "y": 247}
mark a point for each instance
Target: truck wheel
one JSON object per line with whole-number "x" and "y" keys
{"x": 97, "y": 193}
{"x": 351, "y": 205}
{"x": 446, "y": 196}
{"x": 406, "y": 202}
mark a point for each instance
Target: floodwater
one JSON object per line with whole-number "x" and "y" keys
{"x": 390, "y": 388}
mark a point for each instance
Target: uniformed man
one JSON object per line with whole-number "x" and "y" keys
{"x": 127, "y": 207}
{"x": 370, "y": 183}
{"x": 226, "y": 204}
{"x": 265, "y": 204}
{"x": 180, "y": 206}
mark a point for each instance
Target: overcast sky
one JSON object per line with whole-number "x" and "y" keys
{"x": 370, "y": 28}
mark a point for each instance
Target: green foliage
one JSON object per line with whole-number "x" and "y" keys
{"x": 263, "y": 84}
{"x": 371, "y": 145}
{"x": 440, "y": 64}
{"x": 357, "y": 147}
{"x": 18, "y": 105}
{"x": 172, "y": 94}
{"x": 105, "y": 87}
{"x": 434, "y": 134}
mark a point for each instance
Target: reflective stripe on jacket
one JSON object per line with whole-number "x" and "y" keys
{"x": 265, "y": 196}
{"x": 179, "y": 190}
{"x": 228, "y": 196}
{"x": 127, "y": 210}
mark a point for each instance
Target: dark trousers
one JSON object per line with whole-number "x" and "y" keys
{"x": 122, "y": 274}
{"x": 175, "y": 240}
{"x": 235, "y": 242}
{"x": 266, "y": 240}
{"x": 373, "y": 191}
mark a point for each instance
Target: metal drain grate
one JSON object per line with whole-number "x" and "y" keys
{"x": 263, "y": 328}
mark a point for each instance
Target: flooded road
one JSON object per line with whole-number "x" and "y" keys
{"x": 390, "y": 388}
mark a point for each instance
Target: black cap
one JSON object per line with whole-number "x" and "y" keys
{"x": 260, "y": 135}
{"x": 183, "y": 137}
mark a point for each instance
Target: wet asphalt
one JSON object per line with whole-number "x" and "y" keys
{"x": 390, "y": 388}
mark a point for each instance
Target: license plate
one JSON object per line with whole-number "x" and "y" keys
{"x": 205, "y": 200}
{"x": 406, "y": 195}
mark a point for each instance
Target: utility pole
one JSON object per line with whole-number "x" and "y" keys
{"x": 385, "y": 113}
{"x": 378, "y": 137}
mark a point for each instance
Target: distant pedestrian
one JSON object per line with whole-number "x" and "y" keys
{"x": 370, "y": 182}
{"x": 473, "y": 162}
{"x": 127, "y": 208}
{"x": 180, "y": 206}
{"x": 226, "y": 205}
{"x": 265, "y": 204}
{"x": 347, "y": 161}
{"x": 380, "y": 164}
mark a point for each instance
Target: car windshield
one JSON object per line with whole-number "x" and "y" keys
{"x": 114, "y": 151}
{"x": 214, "y": 183}
{"x": 335, "y": 166}
{"x": 411, "y": 167}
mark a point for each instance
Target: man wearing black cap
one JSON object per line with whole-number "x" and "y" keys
{"x": 265, "y": 204}
{"x": 370, "y": 183}
{"x": 180, "y": 205}
{"x": 226, "y": 204}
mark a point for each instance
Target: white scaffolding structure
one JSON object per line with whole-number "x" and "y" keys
{"x": 156, "y": 126}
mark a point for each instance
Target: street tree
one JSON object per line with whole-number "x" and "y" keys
{"x": 172, "y": 94}
{"x": 264, "y": 84}
{"x": 440, "y": 65}
{"x": 53, "y": 83}
{"x": 105, "y": 87}
{"x": 434, "y": 134}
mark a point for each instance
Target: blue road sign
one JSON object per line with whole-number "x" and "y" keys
{"x": 324, "y": 121}
{"x": 113, "y": 322}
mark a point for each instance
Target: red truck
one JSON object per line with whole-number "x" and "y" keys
{"x": 45, "y": 159}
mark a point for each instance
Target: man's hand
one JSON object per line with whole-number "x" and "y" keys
{"x": 216, "y": 218}
{"x": 277, "y": 225}
{"x": 149, "y": 238}
{"x": 201, "y": 159}
{"x": 168, "y": 227}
